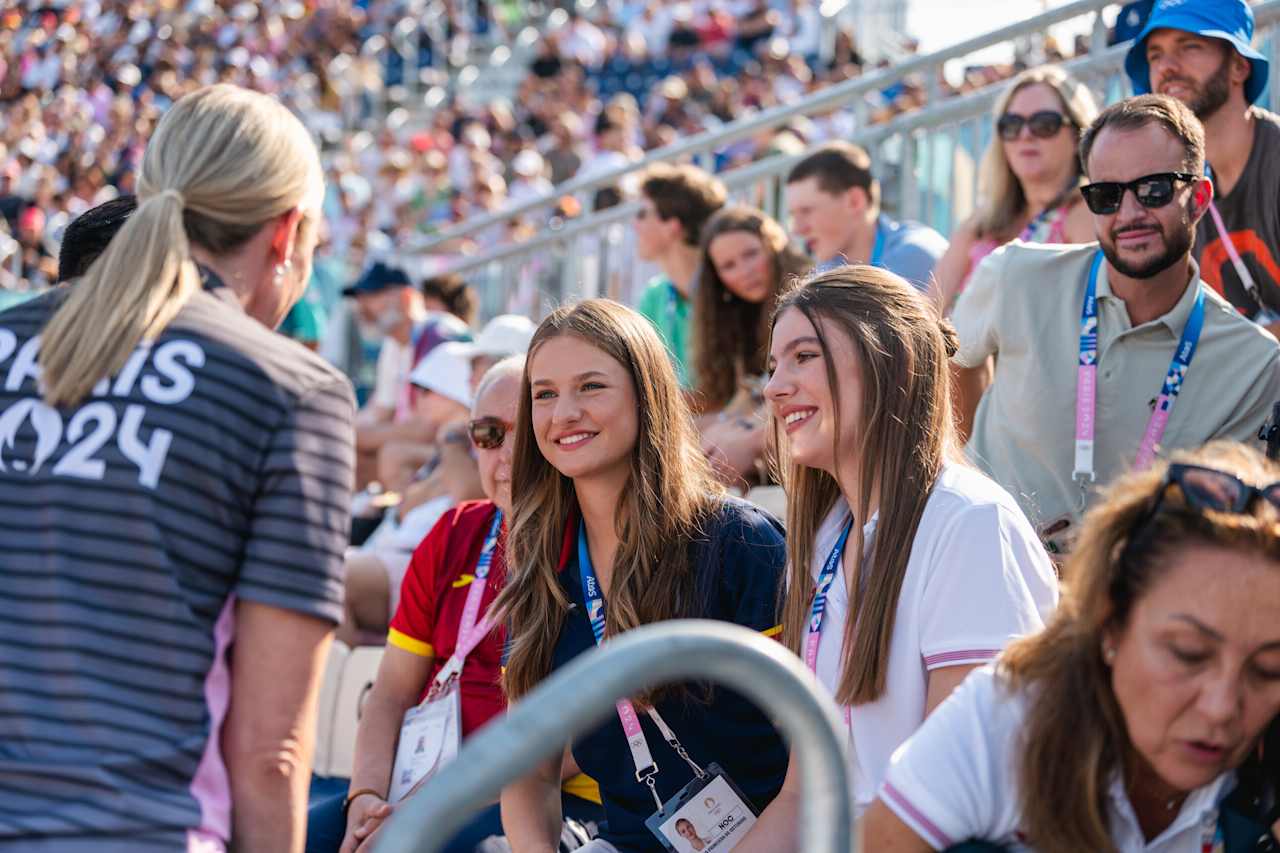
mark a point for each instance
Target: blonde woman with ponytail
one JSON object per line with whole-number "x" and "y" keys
{"x": 912, "y": 567}
{"x": 174, "y": 484}
{"x": 618, "y": 523}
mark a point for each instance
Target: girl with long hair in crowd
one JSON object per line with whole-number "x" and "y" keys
{"x": 1030, "y": 176}
{"x": 439, "y": 632}
{"x": 908, "y": 568}
{"x": 176, "y": 484}
{"x": 746, "y": 262}
{"x": 1146, "y": 717}
{"x": 617, "y": 517}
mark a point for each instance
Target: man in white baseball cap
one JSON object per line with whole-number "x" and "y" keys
{"x": 503, "y": 336}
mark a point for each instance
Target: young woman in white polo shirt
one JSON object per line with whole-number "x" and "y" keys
{"x": 1146, "y": 717}
{"x": 937, "y": 564}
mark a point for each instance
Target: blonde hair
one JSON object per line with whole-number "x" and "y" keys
{"x": 902, "y": 349}
{"x": 669, "y": 495}
{"x": 1004, "y": 202}
{"x": 222, "y": 162}
{"x": 1075, "y": 737}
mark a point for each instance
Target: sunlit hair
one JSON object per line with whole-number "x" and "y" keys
{"x": 1004, "y": 203}
{"x": 511, "y": 366}
{"x": 901, "y": 351}
{"x": 669, "y": 494}
{"x": 222, "y": 163}
{"x": 730, "y": 334}
{"x": 1075, "y": 737}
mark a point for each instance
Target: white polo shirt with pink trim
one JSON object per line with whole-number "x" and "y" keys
{"x": 977, "y": 578}
{"x": 956, "y": 779}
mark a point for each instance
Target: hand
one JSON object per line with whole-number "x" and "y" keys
{"x": 732, "y": 447}
{"x": 366, "y": 814}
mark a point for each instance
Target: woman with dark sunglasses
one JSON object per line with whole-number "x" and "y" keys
{"x": 1145, "y": 717}
{"x": 429, "y": 633}
{"x": 1029, "y": 175}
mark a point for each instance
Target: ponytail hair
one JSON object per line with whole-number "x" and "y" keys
{"x": 223, "y": 162}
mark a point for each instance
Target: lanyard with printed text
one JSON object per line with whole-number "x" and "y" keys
{"x": 1087, "y": 382}
{"x": 819, "y": 608}
{"x": 646, "y": 767}
{"x": 471, "y": 630}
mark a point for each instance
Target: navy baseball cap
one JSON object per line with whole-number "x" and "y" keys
{"x": 1229, "y": 20}
{"x": 378, "y": 278}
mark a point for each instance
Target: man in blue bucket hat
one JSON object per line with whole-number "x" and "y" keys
{"x": 1200, "y": 52}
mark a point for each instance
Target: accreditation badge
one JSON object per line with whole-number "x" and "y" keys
{"x": 709, "y": 813}
{"x": 429, "y": 739}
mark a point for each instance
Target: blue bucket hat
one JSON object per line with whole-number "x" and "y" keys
{"x": 1229, "y": 20}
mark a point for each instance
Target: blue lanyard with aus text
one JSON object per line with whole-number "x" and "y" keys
{"x": 819, "y": 607}
{"x": 1087, "y": 381}
{"x": 646, "y": 767}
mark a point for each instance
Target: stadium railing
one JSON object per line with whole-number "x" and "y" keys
{"x": 927, "y": 161}
{"x": 584, "y": 693}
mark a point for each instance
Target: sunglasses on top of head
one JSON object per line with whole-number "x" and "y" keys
{"x": 1208, "y": 489}
{"x": 1151, "y": 191}
{"x": 1043, "y": 125}
{"x": 488, "y": 433}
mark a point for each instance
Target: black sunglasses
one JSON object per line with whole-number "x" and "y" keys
{"x": 488, "y": 433}
{"x": 1044, "y": 124}
{"x": 1153, "y": 191}
{"x": 1208, "y": 489}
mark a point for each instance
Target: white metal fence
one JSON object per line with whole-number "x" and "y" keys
{"x": 926, "y": 160}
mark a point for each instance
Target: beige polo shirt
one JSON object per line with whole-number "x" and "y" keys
{"x": 1023, "y": 305}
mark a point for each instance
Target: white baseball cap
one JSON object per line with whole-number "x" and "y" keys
{"x": 445, "y": 370}
{"x": 504, "y": 335}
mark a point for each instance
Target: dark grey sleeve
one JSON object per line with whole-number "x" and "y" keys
{"x": 302, "y": 512}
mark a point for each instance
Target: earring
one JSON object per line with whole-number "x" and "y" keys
{"x": 1109, "y": 654}
{"x": 280, "y": 271}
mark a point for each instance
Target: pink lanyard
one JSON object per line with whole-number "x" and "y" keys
{"x": 471, "y": 630}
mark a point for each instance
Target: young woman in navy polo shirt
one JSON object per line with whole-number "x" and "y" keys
{"x": 616, "y": 514}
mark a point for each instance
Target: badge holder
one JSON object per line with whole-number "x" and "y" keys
{"x": 430, "y": 738}
{"x": 710, "y": 813}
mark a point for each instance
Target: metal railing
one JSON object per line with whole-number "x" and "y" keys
{"x": 702, "y": 147}
{"x": 582, "y": 695}
{"x": 926, "y": 160}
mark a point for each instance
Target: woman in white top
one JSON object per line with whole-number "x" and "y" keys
{"x": 1137, "y": 716}
{"x": 952, "y": 569}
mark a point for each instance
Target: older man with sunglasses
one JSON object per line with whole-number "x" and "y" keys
{"x": 1110, "y": 353}
{"x": 1199, "y": 52}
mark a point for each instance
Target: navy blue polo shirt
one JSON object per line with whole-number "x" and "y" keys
{"x": 740, "y": 559}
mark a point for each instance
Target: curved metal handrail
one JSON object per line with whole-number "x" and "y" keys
{"x": 583, "y": 694}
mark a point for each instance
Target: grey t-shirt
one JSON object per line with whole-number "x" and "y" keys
{"x": 215, "y": 466}
{"x": 1251, "y": 213}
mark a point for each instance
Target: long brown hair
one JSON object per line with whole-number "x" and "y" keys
{"x": 1074, "y": 739}
{"x": 731, "y": 335}
{"x": 669, "y": 494}
{"x": 902, "y": 349}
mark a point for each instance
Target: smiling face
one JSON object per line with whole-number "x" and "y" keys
{"x": 584, "y": 413}
{"x": 743, "y": 264}
{"x": 1030, "y": 157}
{"x": 1196, "y": 670}
{"x": 800, "y": 396}
{"x": 498, "y": 401}
{"x": 1142, "y": 242}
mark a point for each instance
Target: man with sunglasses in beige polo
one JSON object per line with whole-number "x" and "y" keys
{"x": 1108, "y": 354}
